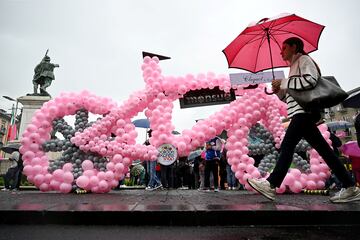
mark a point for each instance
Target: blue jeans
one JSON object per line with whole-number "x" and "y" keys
{"x": 154, "y": 180}
{"x": 230, "y": 175}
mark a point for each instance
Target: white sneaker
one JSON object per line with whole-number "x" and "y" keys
{"x": 345, "y": 195}
{"x": 158, "y": 186}
{"x": 5, "y": 189}
{"x": 262, "y": 186}
{"x": 216, "y": 190}
{"x": 148, "y": 188}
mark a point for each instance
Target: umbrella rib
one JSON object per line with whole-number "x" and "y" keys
{"x": 258, "y": 50}
{"x": 260, "y": 37}
{"x": 284, "y": 31}
{"x": 274, "y": 39}
{"x": 281, "y": 26}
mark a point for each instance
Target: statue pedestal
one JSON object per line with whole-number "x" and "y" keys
{"x": 30, "y": 105}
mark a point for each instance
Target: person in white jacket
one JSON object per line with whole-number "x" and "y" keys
{"x": 303, "y": 76}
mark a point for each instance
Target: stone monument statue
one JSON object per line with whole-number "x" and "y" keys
{"x": 44, "y": 75}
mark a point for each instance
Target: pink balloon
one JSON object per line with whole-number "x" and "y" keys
{"x": 39, "y": 179}
{"x": 37, "y": 169}
{"x": 281, "y": 189}
{"x": 126, "y": 161}
{"x": 315, "y": 169}
{"x": 68, "y": 177}
{"x": 114, "y": 183}
{"x": 109, "y": 176}
{"x": 295, "y": 172}
{"x": 27, "y": 156}
{"x": 250, "y": 168}
{"x": 181, "y": 146}
{"x": 28, "y": 170}
{"x": 296, "y": 187}
{"x": 94, "y": 181}
{"x": 95, "y": 189}
{"x": 255, "y": 174}
{"x": 82, "y": 181}
{"x": 87, "y": 165}
{"x": 289, "y": 179}
{"x": 311, "y": 185}
{"x": 54, "y": 184}
{"x": 320, "y": 184}
{"x": 48, "y": 178}
{"x": 58, "y": 175}
{"x": 44, "y": 187}
{"x": 101, "y": 175}
{"x": 89, "y": 173}
{"x": 103, "y": 185}
{"x": 119, "y": 167}
{"x": 110, "y": 166}
{"x": 65, "y": 187}
{"x": 67, "y": 167}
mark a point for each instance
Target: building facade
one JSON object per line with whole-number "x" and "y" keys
{"x": 340, "y": 113}
{"x": 5, "y": 119}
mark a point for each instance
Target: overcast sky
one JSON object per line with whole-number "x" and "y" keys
{"x": 98, "y": 44}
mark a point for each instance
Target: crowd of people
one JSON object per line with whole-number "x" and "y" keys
{"x": 207, "y": 170}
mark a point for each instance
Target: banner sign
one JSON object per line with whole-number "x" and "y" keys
{"x": 206, "y": 97}
{"x": 167, "y": 154}
{"x": 254, "y": 78}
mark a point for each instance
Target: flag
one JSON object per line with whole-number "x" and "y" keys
{"x": 12, "y": 131}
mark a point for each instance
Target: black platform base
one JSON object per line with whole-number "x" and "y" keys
{"x": 174, "y": 208}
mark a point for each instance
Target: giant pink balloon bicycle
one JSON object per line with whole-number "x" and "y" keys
{"x": 95, "y": 156}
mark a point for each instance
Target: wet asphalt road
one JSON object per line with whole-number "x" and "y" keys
{"x": 131, "y": 203}
{"x": 61, "y": 232}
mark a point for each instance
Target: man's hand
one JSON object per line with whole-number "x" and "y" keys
{"x": 275, "y": 84}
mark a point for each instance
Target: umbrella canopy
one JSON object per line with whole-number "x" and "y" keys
{"x": 335, "y": 125}
{"x": 258, "y": 47}
{"x": 10, "y": 147}
{"x": 353, "y": 101}
{"x": 351, "y": 149}
{"x": 142, "y": 123}
{"x": 136, "y": 162}
{"x": 194, "y": 154}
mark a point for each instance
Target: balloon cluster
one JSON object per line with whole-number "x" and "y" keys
{"x": 75, "y": 168}
{"x": 308, "y": 176}
{"x": 261, "y": 143}
{"x": 95, "y": 156}
{"x": 70, "y": 152}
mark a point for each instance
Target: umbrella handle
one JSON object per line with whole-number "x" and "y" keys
{"x": 268, "y": 93}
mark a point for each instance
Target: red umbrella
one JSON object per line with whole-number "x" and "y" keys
{"x": 258, "y": 47}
